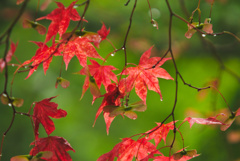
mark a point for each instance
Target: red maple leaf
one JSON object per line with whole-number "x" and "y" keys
{"x": 93, "y": 37}
{"x": 43, "y": 55}
{"x": 41, "y": 113}
{"x": 32, "y": 24}
{"x": 103, "y": 32}
{"x": 81, "y": 47}
{"x": 57, "y": 145}
{"x": 159, "y": 132}
{"x": 102, "y": 75}
{"x": 112, "y": 97}
{"x": 145, "y": 75}
{"x": 98, "y": 37}
{"x": 60, "y": 18}
{"x": 129, "y": 148}
{"x": 207, "y": 121}
{"x": 9, "y": 56}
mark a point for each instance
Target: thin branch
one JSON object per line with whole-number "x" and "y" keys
{"x": 8, "y": 31}
{"x": 128, "y": 30}
{"x": 223, "y": 99}
{"x": 9, "y": 127}
{"x": 199, "y": 89}
{"x": 127, "y": 3}
{"x": 125, "y": 42}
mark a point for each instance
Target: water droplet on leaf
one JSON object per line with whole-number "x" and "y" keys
{"x": 203, "y": 35}
{"x": 112, "y": 54}
{"x": 9, "y": 104}
{"x": 215, "y": 35}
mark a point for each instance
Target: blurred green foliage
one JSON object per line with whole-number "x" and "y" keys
{"x": 195, "y": 61}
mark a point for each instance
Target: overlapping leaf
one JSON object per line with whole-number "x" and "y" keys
{"x": 42, "y": 112}
{"x": 128, "y": 149}
{"x": 206, "y": 27}
{"x": 81, "y": 47}
{"x": 95, "y": 38}
{"x": 160, "y": 132}
{"x": 112, "y": 97}
{"x": 228, "y": 122}
{"x": 60, "y": 18}
{"x": 126, "y": 110}
{"x": 57, "y": 145}
{"x": 145, "y": 75}
{"x": 101, "y": 74}
{"x": 103, "y": 32}
{"x": 43, "y": 55}
{"x": 35, "y": 25}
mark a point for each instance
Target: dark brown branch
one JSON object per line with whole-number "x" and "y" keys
{"x": 9, "y": 127}
{"x": 8, "y": 33}
{"x": 127, "y": 3}
{"x": 128, "y": 30}
{"x": 197, "y": 88}
{"x": 15, "y": 20}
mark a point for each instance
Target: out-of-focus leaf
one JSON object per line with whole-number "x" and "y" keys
{"x": 63, "y": 82}
{"x": 19, "y": 1}
{"x": 228, "y": 122}
{"x": 35, "y": 25}
{"x": 18, "y": 102}
{"x": 20, "y": 158}
{"x": 207, "y": 121}
{"x": 4, "y": 99}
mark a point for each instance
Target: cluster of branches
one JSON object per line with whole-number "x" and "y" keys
{"x": 116, "y": 100}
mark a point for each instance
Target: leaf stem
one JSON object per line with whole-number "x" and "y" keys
{"x": 223, "y": 99}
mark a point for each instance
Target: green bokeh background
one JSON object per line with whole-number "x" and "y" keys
{"x": 196, "y": 64}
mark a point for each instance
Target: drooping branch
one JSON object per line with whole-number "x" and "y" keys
{"x": 8, "y": 34}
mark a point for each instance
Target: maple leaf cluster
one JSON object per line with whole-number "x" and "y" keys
{"x": 142, "y": 77}
{"x": 143, "y": 149}
{"x": 82, "y": 45}
{"x": 79, "y": 46}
